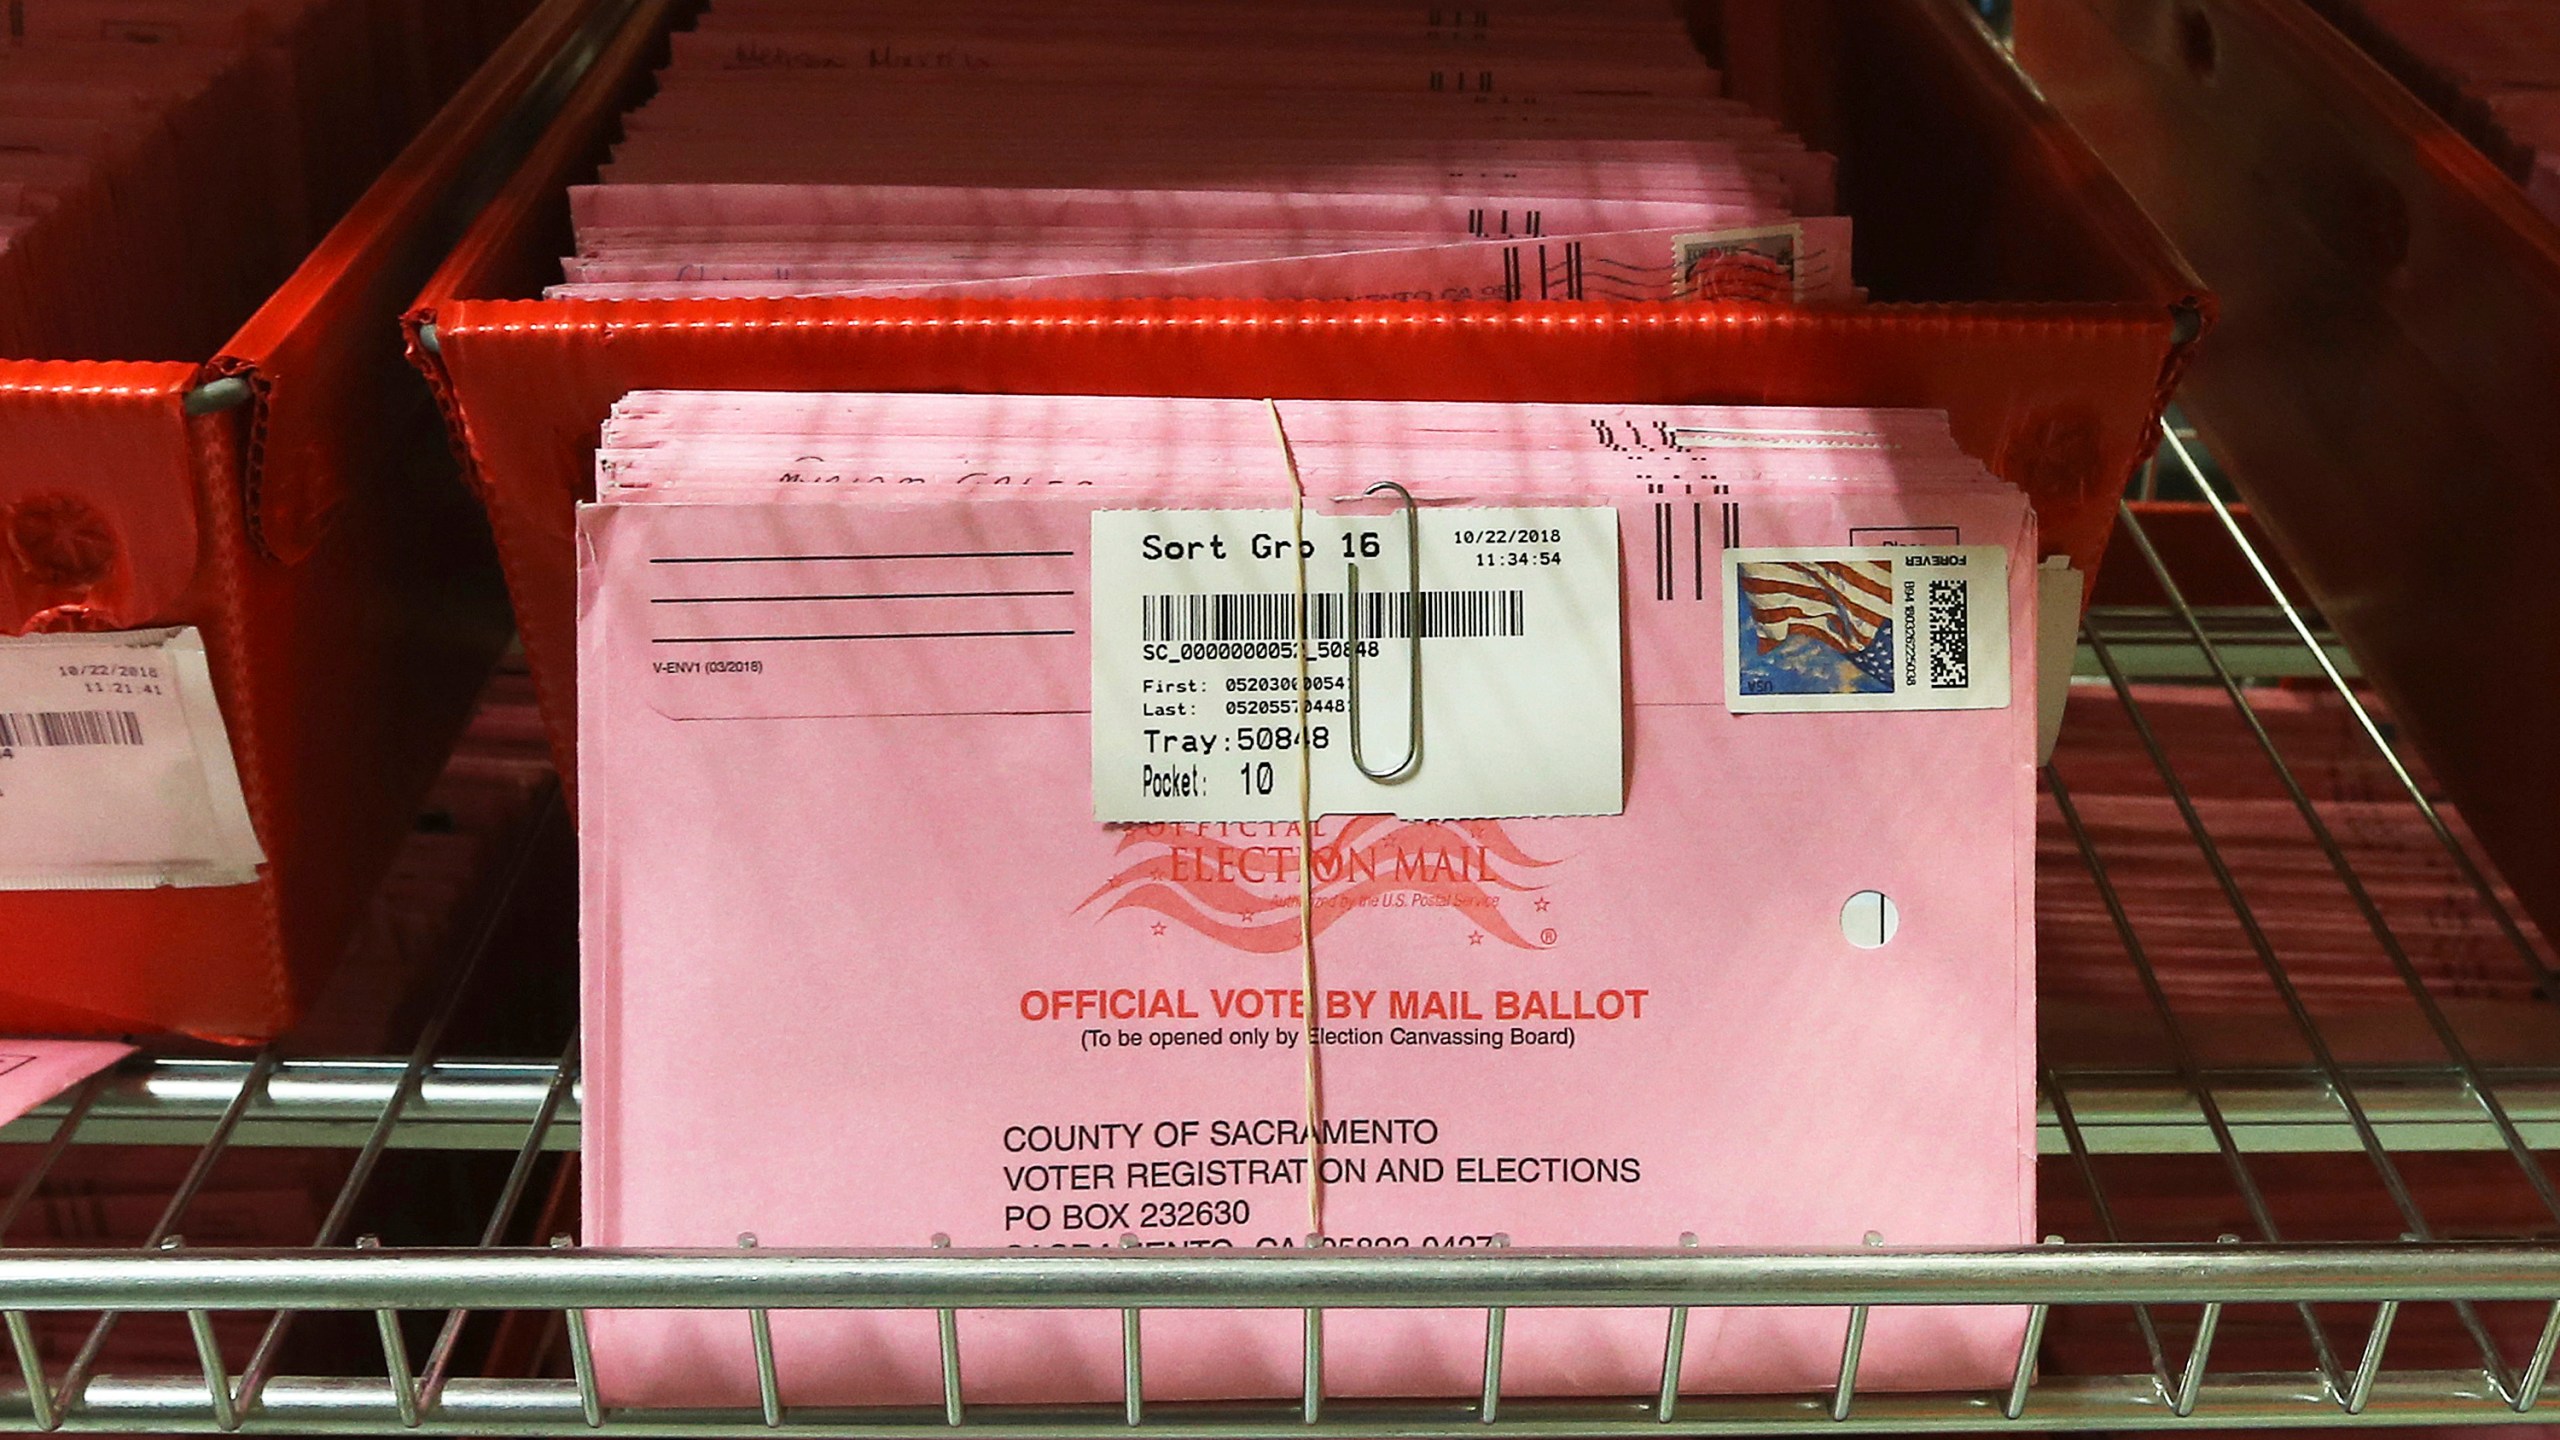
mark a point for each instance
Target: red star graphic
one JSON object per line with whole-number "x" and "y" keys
{"x": 1476, "y": 938}
{"x": 1542, "y": 903}
{"x": 1158, "y": 927}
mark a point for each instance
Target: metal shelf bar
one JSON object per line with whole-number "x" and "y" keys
{"x": 2104, "y": 1209}
{"x": 2394, "y": 1183}
{"x": 946, "y": 1324}
{"x": 471, "y": 1105}
{"x": 2028, "y": 1348}
{"x": 316, "y": 1406}
{"x": 1844, "y": 1393}
{"x": 1495, "y": 1321}
{"x": 2472, "y": 873}
{"x": 65, "y": 1126}
{"x": 926, "y": 1279}
{"x": 2360, "y": 1391}
{"x": 2538, "y": 1369}
{"x": 2191, "y": 1379}
{"x": 2152, "y": 645}
{"x": 38, "y": 1395}
{"x": 318, "y": 1103}
{"x": 395, "y": 1364}
{"x": 1133, "y": 1368}
{"x": 217, "y": 1381}
{"x": 582, "y": 1357}
{"x": 2225, "y": 1143}
{"x": 164, "y": 1230}
{"x": 502, "y": 1214}
{"x": 760, "y": 1338}
{"x": 2478, "y": 1086}
{"x": 1311, "y": 1366}
{"x": 1675, "y": 1348}
{"x": 484, "y": 931}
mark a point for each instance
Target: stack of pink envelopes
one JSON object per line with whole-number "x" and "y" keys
{"x": 943, "y": 760}
{"x": 1322, "y": 149}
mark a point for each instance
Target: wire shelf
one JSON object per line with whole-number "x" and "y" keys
{"x": 486, "y": 1105}
{"x": 2294, "y": 1143}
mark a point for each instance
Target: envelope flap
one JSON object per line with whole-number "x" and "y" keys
{"x": 893, "y": 609}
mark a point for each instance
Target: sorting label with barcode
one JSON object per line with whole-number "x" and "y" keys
{"x": 1867, "y": 627}
{"x": 70, "y": 727}
{"x": 115, "y": 769}
{"x": 1273, "y": 615}
{"x": 1197, "y": 622}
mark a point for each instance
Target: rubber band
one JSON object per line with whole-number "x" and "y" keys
{"x": 1306, "y": 843}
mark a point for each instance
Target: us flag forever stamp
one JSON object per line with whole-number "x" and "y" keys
{"x": 1867, "y": 627}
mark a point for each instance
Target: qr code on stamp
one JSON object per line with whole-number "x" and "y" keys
{"x": 1950, "y": 636}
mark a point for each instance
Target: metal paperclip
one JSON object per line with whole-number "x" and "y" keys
{"x": 1405, "y": 769}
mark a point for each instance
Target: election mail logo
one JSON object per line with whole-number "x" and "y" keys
{"x": 1815, "y": 627}
{"x": 1237, "y": 883}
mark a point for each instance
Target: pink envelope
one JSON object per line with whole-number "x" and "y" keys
{"x": 937, "y": 59}
{"x": 34, "y": 1071}
{"x": 1625, "y": 40}
{"x": 1799, "y": 262}
{"x": 1046, "y": 231}
{"x": 806, "y": 212}
{"x": 775, "y": 445}
{"x": 831, "y": 884}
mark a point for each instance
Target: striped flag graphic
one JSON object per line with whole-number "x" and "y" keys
{"x": 1841, "y": 603}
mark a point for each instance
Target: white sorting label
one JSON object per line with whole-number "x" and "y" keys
{"x": 1195, "y": 663}
{"x": 115, "y": 770}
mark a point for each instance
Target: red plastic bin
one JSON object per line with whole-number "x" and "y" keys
{"x": 2019, "y": 290}
{"x": 340, "y": 580}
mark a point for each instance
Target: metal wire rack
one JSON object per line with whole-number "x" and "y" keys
{"x": 2355, "y": 1226}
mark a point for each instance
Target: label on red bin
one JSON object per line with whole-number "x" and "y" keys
{"x": 115, "y": 770}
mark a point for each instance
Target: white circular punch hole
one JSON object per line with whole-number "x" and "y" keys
{"x": 1869, "y": 919}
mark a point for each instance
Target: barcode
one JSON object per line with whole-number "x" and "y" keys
{"x": 1384, "y": 615}
{"x": 32, "y": 728}
{"x": 1950, "y": 639}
